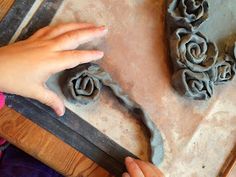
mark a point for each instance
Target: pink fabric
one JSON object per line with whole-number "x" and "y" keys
{"x": 2, "y": 141}
{"x": 2, "y": 100}
{"x": 2, "y": 103}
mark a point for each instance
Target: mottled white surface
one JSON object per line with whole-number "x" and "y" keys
{"x": 198, "y": 135}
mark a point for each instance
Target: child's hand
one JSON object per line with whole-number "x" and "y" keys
{"x": 138, "y": 168}
{"x": 25, "y": 66}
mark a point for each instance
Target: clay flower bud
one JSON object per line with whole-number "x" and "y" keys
{"x": 197, "y": 86}
{"x": 189, "y": 13}
{"x": 223, "y": 71}
{"x": 80, "y": 85}
{"x": 192, "y": 50}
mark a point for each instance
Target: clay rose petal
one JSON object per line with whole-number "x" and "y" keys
{"x": 192, "y": 50}
{"x": 80, "y": 86}
{"x": 189, "y": 14}
{"x": 197, "y": 86}
{"x": 223, "y": 71}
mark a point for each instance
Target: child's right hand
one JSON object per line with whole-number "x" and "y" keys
{"x": 25, "y": 66}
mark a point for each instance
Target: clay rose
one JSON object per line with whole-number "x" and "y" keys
{"x": 80, "y": 85}
{"x": 197, "y": 86}
{"x": 192, "y": 50}
{"x": 223, "y": 71}
{"x": 189, "y": 13}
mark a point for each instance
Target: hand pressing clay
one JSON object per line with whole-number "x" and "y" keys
{"x": 83, "y": 85}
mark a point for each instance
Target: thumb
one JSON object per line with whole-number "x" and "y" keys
{"x": 51, "y": 99}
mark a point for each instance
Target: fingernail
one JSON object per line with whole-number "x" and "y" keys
{"x": 125, "y": 174}
{"x": 60, "y": 112}
{"x": 101, "y": 53}
{"x": 129, "y": 160}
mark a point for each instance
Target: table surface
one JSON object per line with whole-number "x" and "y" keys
{"x": 181, "y": 142}
{"x": 46, "y": 147}
{"x": 43, "y": 145}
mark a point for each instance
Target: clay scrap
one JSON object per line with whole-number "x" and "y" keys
{"x": 83, "y": 84}
{"x": 198, "y": 65}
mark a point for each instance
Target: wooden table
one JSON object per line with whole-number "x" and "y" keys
{"x": 41, "y": 144}
{"x": 52, "y": 151}
{"x": 4, "y": 7}
{"x": 46, "y": 147}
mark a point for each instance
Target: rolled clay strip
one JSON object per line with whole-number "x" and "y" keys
{"x": 96, "y": 73}
{"x": 195, "y": 85}
{"x": 189, "y": 14}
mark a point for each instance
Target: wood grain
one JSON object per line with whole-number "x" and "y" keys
{"x": 229, "y": 164}
{"x": 46, "y": 147}
{"x": 4, "y": 7}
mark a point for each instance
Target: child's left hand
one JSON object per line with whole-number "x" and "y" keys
{"x": 25, "y": 66}
{"x": 138, "y": 168}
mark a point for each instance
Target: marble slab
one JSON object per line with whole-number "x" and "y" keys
{"x": 198, "y": 135}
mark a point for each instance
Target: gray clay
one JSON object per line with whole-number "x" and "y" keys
{"x": 192, "y": 50}
{"x": 198, "y": 67}
{"x": 81, "y": 86}
{"x": 189, "y": 13}
{"x": 76, "y": 91}
{"x": 224, "y": 70}
{"x": 192, "y": 84}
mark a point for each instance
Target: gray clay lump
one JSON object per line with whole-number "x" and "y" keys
{"x": 192, "y": 50}
{"x": 83, "y": 84}
{"x": 189, "y": 13}
{"x": 198, "y": 66}
{"x": 80, "y": 85}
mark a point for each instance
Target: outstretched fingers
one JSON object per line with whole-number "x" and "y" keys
{"x": 72, "y": 39}
{"x": 51, "y": 32}
{"x": 72, "y": 58}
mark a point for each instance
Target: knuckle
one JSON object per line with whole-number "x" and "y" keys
{"x": 57, "y": 27}
{"x": 74, "y": 53}
{"x": 48, "y": 99}
{"x": 42, "y": 30}
{"x": 68, "y": 36}
{"x": 48, "y": 45}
